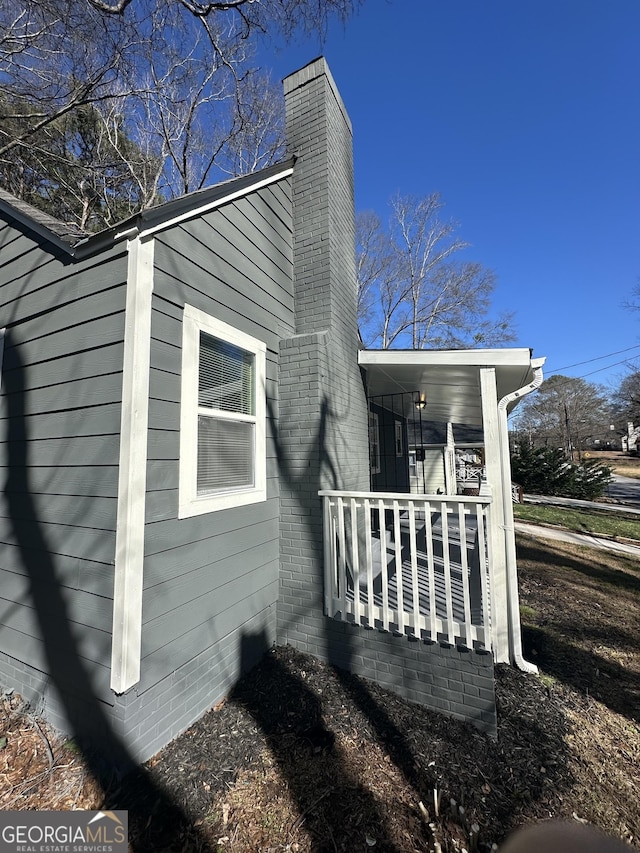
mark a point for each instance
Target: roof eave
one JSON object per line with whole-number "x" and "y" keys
{"x": 31, "y": 218}
{"x": 146, "y": 222}
{"x": 156, "y": 219}
{"x": 512, "y": 356}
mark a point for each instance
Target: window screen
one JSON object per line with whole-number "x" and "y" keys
{"x": 225, "y": 454}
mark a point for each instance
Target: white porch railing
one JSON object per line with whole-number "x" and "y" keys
{"x": 471, "y": 472}
{"x": 516, "y": 493}
{"x": 410, "y": 564}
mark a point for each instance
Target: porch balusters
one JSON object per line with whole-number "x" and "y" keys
{"x": 422, "y": 570}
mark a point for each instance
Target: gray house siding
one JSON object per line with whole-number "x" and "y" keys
{"x": 209, "y": 580}
{"x": 59, "y": 448}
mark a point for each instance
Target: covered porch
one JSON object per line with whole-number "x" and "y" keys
{"x": 435, "y": 565}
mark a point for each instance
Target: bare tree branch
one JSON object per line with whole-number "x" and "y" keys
{"x": 413, "y": 291}
{"x": 168, "y": 83}
{"x": 565, "y": 412}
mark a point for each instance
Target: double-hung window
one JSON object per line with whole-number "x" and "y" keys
{"x": 222, "y": 419}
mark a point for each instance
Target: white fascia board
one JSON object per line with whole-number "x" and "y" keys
{"x": 440, "y": 358}
{"x": 129, "y": 557}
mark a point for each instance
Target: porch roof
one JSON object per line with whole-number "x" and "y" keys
{"x": 449, "y": 378}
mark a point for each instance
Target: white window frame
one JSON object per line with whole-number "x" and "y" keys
{"x": 189, "y": 501}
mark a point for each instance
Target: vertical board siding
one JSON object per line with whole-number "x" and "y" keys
{"x": 206, "y": 576}
{"x": 59, "y": 444}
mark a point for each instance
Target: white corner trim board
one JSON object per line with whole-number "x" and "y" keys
{"x": 497, "y": 565}
{"x": 129, "y": 556}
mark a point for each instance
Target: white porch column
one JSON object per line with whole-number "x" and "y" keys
{"x": 450, "y": 485}
{"x": 515, "y": 637}
{"x": 493, "y": 463}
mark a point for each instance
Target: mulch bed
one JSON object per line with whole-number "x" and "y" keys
{"x": 306, "y": 758}
{"x": 303, "y": 757}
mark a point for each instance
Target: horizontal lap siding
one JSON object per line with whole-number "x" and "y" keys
{"x": 91, "y": 645}
{"x": 207, "y": 576}
{"x": 59, "y": 446}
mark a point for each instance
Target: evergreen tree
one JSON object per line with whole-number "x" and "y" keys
{"x": 545, "y": 471}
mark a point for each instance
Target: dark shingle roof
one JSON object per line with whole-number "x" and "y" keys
{"x": 73, "y": 239}
{"x": 66, "y": 232}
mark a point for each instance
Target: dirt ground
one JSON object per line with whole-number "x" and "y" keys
{"x": 302, "y": 757}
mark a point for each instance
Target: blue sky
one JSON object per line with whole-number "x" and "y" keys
{"x": 524, "y": 116}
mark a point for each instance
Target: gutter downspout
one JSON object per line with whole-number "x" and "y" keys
{"x": 515, "y": 639}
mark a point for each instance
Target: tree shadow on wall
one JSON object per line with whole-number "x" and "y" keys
{"x": 155, "y": 822}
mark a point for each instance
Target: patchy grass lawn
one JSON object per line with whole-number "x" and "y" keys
{"x": 617, "y": 525}
{"x": 302, "y": 758}
{"x": 620, "y": 463}
{"x": 581, "y": 625}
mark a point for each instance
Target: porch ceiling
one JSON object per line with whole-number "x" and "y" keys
{"x": 449, "y": 378}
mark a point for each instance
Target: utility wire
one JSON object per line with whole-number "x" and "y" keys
{"x": 600, "y": 369}
{"x": 597, "y": 358}
{"x": 566, "y": 379}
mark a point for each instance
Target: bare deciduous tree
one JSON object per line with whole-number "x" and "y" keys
{"x": 258, "y": 137}
{"x": 412, "y": 289}
{"x": 84, "y": 169}
{"x": 167, "y": 83}
{"x": 376, "y": 261}
{"x": 626, "y": 401}
{"x": 634, "y": 301}
{"x": 247, "y": 16}
{"x": 565, "y": 412}
{"x": 55, "y": 58}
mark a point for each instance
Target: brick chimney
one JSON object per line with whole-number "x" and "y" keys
{"x": 323, "y": 419}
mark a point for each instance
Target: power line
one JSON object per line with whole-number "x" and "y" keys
{"x": 598, "y": 358}
{"x": 567, "y": 379}
{"x": 600, "y": 369}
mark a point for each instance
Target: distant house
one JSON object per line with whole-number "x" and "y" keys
{"x": 176, "y": 392}
{"x": 631, "y": 440}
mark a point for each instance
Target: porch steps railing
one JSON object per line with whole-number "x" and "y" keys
{"x": 410, "y": 564}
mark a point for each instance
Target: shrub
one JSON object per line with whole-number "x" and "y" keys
{"x": 545, "y": 471}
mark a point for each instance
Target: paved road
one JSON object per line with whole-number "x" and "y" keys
{"x": 625, "y": 490}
